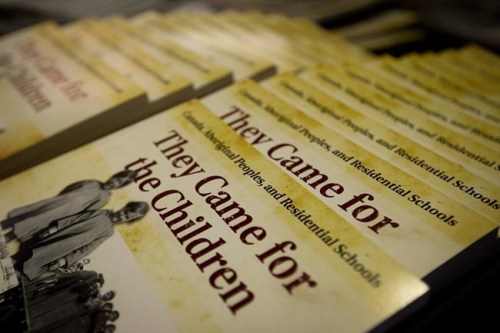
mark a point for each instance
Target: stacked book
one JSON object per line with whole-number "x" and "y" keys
{"x": 238, "y": 171}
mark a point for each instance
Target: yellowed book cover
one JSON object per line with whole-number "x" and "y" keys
{"x": 266, "y": 40}
{"x": 449, "y": 86}
{"x": 389, "y": 39}
{"x": 258, "y": 36}
{"x": 481, "y": 87}
{"x": 205, "y": 75}
{"x": 471, "y": 155}
{"x": 309, "y": 39}
{"x": 385, "y": 23}
{"x": 332, "y": 40}
{"x": 164, "y": 87}
{"x": 410, "y": 156}
{"x": 299, "y": 42}
{"x": 484, "y": 107}
{"x": 449, "y": 110}
{"x": 56, "y": 96}
{"x": 482, "y": 58}
{"x": 430, "y": 234}
{"x": 388, "y": 29}
{"x": 224, "y": 28}
{"x": 452, "y": 64}
{"x": 473, "y": 69}
{"x": 242, "y": 63}
{"x": 320, "y": 44}
{"x": 212, "y": 237}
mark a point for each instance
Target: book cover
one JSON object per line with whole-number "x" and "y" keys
{"x": 481, "y": 80}
{"x": 226, "y": 244}
{"x": 478, "y": 159}
{"x": 387, "y": 22}
{"x": 482, "y": 58}
{"x": 412, "y": 157}
{"x": 479, "y": 101}
{"x": 222, "y": 28}
{"x": 311, "y": 39}
{"x": 195, "y": 36}
{"x": 55, "y": 96}
{"x": 472, "y": 67}
{"x": 164, "y": 87}
{"x": 332, "y": 40}
{"x": 429, "y": 233}
{"x": 485, "y": 107}
{"x": 424, "y": 78}
{"x": 296, "y": 42}
{"x": 205, "y": 75}
{"x": 288, "y": 56}
{"x": 450, "y": 110}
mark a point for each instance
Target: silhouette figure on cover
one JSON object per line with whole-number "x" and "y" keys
{"x": 66, "y": 240}
{"x": 26, "y": 221}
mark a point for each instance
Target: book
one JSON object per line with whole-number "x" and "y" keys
{"x": 471, "y": 71}
{"x": 427, "y": 232}
{"x": 55, "y": 96}
{"x": 410, "y": 156}
{"x": 310, "y": 38}
{"x": 205, "y": 75}
{"x": 472, "y": 88}
{"x": 257, "y": 37}
{"x": 390, "y": 39}
{"x": 196, "y": 36}
{"x": 481, "y": 59}
{"x": 296, "y": 38}
{"x": 389, "y": 29}
{"x": 381, "y": 24}
{"x": 478, "y": 159}
{"x": 426, "y": 78}
{"x": 227, "y": 243}
{"x": 450, "y": 111}
{"x": 164, "y": 87}
{"x": 143, "y": 57}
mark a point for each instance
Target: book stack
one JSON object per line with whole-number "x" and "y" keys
{"x": 238, "y": 171}
{"x": 149, "y": 62}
